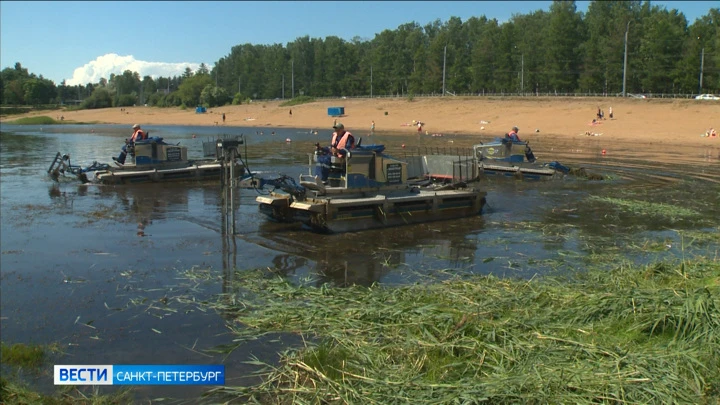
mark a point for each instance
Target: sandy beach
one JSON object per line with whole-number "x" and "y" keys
{"x": 656, "y": 121}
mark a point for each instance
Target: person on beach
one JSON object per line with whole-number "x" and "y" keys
{"x": 138, "y": 135}
{"x": 223, "y": 118}
{"x": 372, "y": 128}
{"x": 610, "y": 113}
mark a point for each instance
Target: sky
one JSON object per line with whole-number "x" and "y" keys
{"x": 81, "y": 42}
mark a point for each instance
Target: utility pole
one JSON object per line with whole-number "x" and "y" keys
{"x": 444, "y": 59}
{"x": 624, "y": 92}
{"x": 522, "y": 73}
{"x": 371, "y": 89}
{"x": 702, "y": 64}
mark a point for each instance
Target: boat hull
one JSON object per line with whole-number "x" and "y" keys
{"x": 195, "y": 171}
{"x": 350, "y": 214}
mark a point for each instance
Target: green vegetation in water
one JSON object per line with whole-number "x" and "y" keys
{"x": 18, "y": 357}
{"x": 26, "y": 356}
{"x": 648, "y": 208}
{"x": 633, "y": 334}
{"x": 297, "y": 101}
{"x": 18, "y": 394}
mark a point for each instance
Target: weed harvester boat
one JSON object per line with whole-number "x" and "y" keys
{"x": 366, "y": 189}
{"x": 153, "y": 160}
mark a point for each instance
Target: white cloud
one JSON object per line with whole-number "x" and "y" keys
{"x": 104, "y": 65}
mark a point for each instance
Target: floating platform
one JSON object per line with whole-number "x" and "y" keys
{"x": 367, "y": 190}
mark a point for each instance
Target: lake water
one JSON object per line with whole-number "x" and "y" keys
{"x": 76, "y": 270}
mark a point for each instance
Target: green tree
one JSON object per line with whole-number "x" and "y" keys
{"x": 564, "y": 35}
{"x": 100, "y": 98}
{"x": 39, "y": 91}
{"x": 202, "y": 70}
{"x": 191, "y": 88}
{"x": 214, "y": 96}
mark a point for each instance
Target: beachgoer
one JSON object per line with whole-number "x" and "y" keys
{"x": 372, "y": 128}
{"x": 290, "y": 113}
{"x": 138, "y": 135}
{"x": 223, "y": 118}
{"x": 712, "y": 133}
{"x": 599, "y": 114}
{"x": 419, "y": 127}
{"x": 610, "y": 113}
{"x": 513, "y": 135}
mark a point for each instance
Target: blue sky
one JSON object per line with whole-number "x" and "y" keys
{"x": 81, "y": 41}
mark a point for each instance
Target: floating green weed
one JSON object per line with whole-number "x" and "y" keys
{"x": 18, "y": 394}
{"x": 27, "y": 356}
{"x": 634, "y": 334}
{"x": 648, "y": 208}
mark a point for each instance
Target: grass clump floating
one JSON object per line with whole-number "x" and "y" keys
{"x": 27, "y": 356}
{"x": 633, "y": 334}
{"x": 648, "y": 208}
{"x": 19, "y": 394}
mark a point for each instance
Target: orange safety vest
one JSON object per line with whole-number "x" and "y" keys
{"x": 137, "y": 135}
{"x": 343, "y": 141}
{"x": 511, "y": 133}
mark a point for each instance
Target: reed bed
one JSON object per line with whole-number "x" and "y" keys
{"x": 633, "y": 334}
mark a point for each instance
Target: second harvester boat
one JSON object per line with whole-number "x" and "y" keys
{"x": 366, "y": 189}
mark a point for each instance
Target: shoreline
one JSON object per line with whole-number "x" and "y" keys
{"x": 655, "y": 121}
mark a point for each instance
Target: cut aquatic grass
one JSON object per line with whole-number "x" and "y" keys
{"x": 634, "y": 334}
{"x": 648, "y": 208}
{"x": 18, "y": 394}
{"x": 26, "y": 356}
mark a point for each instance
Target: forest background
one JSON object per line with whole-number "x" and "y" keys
{"x": 556, "y": 52}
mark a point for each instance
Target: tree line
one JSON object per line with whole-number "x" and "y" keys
{"x": 559, "y": 50}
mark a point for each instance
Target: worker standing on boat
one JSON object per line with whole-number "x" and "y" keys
{"x": 138, "y": 135}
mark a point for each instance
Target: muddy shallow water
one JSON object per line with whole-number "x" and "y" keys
{"x": 89, "y": 266}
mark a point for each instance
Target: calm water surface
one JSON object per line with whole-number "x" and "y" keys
{"x": 75, "y": 269}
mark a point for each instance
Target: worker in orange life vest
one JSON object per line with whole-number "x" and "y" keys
{"x": 512, "y": 135}
{"x": 341, "y": 140}
{"x": 138, "y": 135}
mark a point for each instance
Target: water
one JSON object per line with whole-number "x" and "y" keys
{"x": 88, "y": 266}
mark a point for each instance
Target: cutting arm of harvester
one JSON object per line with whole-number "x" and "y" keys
{"x": 61, "y": 165}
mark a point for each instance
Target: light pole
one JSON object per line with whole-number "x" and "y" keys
{"x": 627, "y": 29}
{"x": 702, "y": 64}
{"x": 522, "y": 73}
{"x": 371, "y": 84}
{"x": 444, "y": 59}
